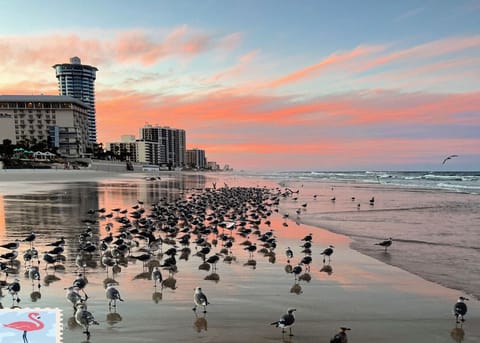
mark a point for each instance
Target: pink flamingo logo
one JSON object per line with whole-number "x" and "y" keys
{"x": 27, "y": 326}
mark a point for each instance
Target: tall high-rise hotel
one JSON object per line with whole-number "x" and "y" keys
{"x": 77, "y": 80}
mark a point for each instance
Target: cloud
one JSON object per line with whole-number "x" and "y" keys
{"x": 424, "y": 52}
{"x": 409, "y": 14}
{"x": 314, "y": 70}
{"x": 235, "y": 70}
{"x": 140, "y": 46}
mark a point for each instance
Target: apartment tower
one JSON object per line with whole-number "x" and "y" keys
{"x": 78, "y": 81}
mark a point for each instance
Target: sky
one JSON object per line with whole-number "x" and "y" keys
{"x": 268, "y": 84}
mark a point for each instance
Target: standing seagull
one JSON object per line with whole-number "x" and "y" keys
{"x": 448, "y": 158}
{"x": 287, "y": 320}
{"x": 156, "y": 276}
{"x": 85, "y": 319}
{"x": 460, "y": 309}
{"x": 289, "y": 254}
{"x": 327, "y": 252}
{"x": 112, "y": 295}
{"x": 340, "y": 337}
{"x": 200, "y": 299}
{"x": 385, "y": 243}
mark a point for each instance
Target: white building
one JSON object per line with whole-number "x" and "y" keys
{"x": 60, "y": 121}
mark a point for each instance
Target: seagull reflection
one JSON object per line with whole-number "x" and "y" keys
{"x": 200, "y": 323}
{"x": 327, "y": 268}
{"x": 296, "y": 288}
{"x": 288, "y": 269}
{"x": 48, "y": 279}
{"x": 35, "y": 295}
{"x": 170, "y": 282}
{"x": 113, "y": 317}
{"x": 143, "y": 276}
{"x": 204, "y": 266}
{"x": 457, "y": 334}
{"x": 157, "y": 297}
{"x": 212, "y": 277}
{"x": 305, "y": 277}
{"x": 229, "y": 259}
{"x": 251, "y": 263}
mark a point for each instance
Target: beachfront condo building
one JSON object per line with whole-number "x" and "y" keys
{"x": 158, "y": 145}
{"x": 195, "y": 158}
{"x": 135, "y": 150}
{"x": 60, "y": 121}
{"x": 78, "y": 80}
{"x": 172, "y": 143}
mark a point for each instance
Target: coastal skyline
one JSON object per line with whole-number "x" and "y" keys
{"x": 269, "y": 85}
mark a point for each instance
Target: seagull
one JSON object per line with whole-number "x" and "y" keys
{"x": 12, "y": 245}
{"x": 14, "y": 288}
{"x": 340, "y": 337}
{"x": 327, "y": 252}
{"x": 157, "y": 276}
{"x": 85, "y": 319}
{"x": 289, "y": 254}
{"x": 200, "y": 299}
{"x": 460, "y": 309}
{"x": 287, "y": 320}
{"x": 448, "y": 158}
{"x": 112, "y": 295}
{"x": 73, "y": 296}
{"x": 385, "y": 243}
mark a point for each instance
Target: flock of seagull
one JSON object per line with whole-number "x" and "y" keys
{"x": 157, "y": 235}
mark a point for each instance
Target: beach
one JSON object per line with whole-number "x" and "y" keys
{"x": 380, "y": 302}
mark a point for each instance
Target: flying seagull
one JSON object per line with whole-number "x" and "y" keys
{"x": 448, "y": 158}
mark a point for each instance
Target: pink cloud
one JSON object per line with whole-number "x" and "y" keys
{"x": 425, "y": 51}
{"x": 236, "y": 69}
{"x": 314, "y": 70}
{"x": 139, "y": 46}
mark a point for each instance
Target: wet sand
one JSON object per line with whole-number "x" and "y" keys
{"x": 379, "y": 302}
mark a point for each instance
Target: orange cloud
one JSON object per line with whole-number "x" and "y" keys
{"x": 313, "y": 70}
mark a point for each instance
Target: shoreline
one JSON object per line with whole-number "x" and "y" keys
{"x": 379, "y": 301}
{"x": 347, "y": 221}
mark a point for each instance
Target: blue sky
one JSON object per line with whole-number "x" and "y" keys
{"x": 366, "y": 80}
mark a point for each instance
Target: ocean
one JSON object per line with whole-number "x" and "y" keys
{"x": 435, "y": 233}
{"x": 433, "y": 217}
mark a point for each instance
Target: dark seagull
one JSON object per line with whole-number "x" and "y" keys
{"x": 460, "y": 309}
{"x": 386, "y": 243}
{"x": 340, "y": 337}
{"x": 448, "y": 158}
{"x": 286, "y": 321}
{"x": 327, "y": 252}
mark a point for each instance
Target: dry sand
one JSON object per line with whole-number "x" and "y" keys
{"x": 379, "y": 302}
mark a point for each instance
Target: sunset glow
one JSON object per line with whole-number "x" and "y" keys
{"x": 329, "y": 86}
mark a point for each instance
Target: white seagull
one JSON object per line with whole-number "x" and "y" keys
{"x": 85, "y": 319}
{"x": 200, "y": 299}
